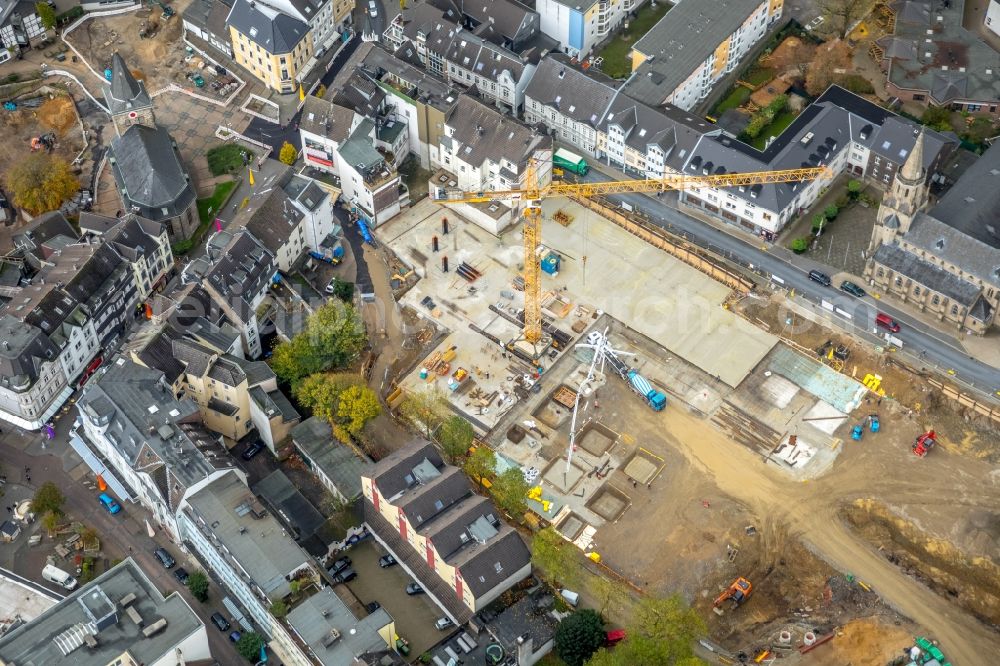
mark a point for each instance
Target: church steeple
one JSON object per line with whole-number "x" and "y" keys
{"x": 906, "y": 197}
{"x": 126, "y": 97}
{"x": 913, "y": 172}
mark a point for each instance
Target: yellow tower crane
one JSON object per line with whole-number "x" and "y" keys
{"x": 530, "y": 198}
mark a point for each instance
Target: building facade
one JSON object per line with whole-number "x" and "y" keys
{"x": 578, "y": 27}
{"x": 273, "y": 46}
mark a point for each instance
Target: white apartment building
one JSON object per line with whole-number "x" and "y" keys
{"x": 992, "y": 20}
{"x": 694, "y": 45}
{"x": 577, "y": 26}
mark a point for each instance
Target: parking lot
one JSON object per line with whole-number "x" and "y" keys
{"x": 414, "y": 615}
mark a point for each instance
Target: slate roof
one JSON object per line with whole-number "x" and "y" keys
{"x": 512, "y": 22}
{"x": 124, "y": 93}
{"x": 480, "y": 56}
{"x": 22, "y": 353}
{"x": 674, "y": 130}
{"x": 972, "y": 205}
{"x": 486, "y": 134}
{"x": 358, "y": 150}
{"x": 158, "y": 353}
{"x": 494, "y": 562}
{"x": 360, "y": 93}
{"x": 435, "y": 496}
{"x": 927, "y": 274}
{"x": 209, "y": 15}
{"x": 97, "y": 224}
{"x": 931, "y": 51}
{"x": 196, "y": 358}
{"x": 390, "y": 473}
{"x": 582, "y": 96}
{"x": 338, "y": 462}
{"x": 134, "y": 236}
{"x": 529, "y": 616}
{"x": 955, "y": 247}
{"x": 42, "y": 230}
{"x": 423, "y": 85}
{"x": 273, "y": 403}
{"x": 273, "y": 31}
{"x": 325, "y": 118}
{"x": 149, "y": 174}
{"x": 242, "y": 273}
{"x": 681, "y": 41}
{"x": 271, "y": 217}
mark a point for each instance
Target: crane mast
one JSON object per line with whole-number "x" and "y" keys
{"x": 531, "y": 195}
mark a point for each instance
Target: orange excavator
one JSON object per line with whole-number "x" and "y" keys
{"x": 738, "y": 592}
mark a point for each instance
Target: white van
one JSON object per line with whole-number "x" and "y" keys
{"x": 59, "y": 577}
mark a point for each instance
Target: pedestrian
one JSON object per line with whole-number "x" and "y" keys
{"x": 29, "y": 478}
{"x": 649, "y": 486}
{"x": 9, "y": 510}
{"x": 635, "y": 484}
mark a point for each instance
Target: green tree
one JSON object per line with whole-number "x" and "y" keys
{"x": 295, "y": 586}
{"x": 662, "y": 633}
{"x": 249, "y": 646}
{"x": 937, "y": 118}
{"x": 425, "y": 409}
{"x": 830, "y": 212}
{"x": 818, "y": 223}
{"x": 800, "y": 245}
{"x": 333, "y": 337}
{"x": 481, "y": 464}
{"x": 197, "y": 583}
{"x": 48, "y": 498}
{"x": 455, "y": 437}
{"x": 509, "y": 491}
{"x": 46, "y": 15}
{"x": 279, "y": 609}
{"x": 51, "y": 521}
{"x": 343, "y": 289}
{"x": 358, "y": 405}
{"x": 288, "y": 154}
{"x": 579, "y": 636}
{"x": 979, "y": 130}
{"x": 41, "y": 182}
{"x": 321, "y": 392}
{"x": 854, "y": 188}
{"x": 555, "y": 556}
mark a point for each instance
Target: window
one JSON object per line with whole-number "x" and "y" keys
{"x": 899, "y": 282}
{"x": 954, "y": 310}
{"x": 881, "y": 272}
{"x": 936, "y": 300}
{"x": 916, "y": 291}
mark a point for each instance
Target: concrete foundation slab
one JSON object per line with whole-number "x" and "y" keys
{"x": 641, "y": 469}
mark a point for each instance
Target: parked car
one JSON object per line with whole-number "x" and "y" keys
{"x": 252, "y": 449}
{"x": 109, "y": 503}
{"x": 181, "y": 574}
{"x": 819, "y": 276}
{"x": 345, "y": 575}
{"x": 373, "y": 8}
{"x": 386, "y": 561}
{"x": 235, "y": 636}
{"x": 886, "y": 322}
{"x": 853, "y": 289}
{"x": 165, "y": 558}
{"x": 443, "y": 623}
{"x": 372, "y": 606}
{"x": 220, "y": 621}
{"x": 414, "y": 588}
{"x": 339, "y": 566}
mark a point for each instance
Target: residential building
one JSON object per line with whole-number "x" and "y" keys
{"x": 317, "y": 202}
{"x": 840, "y": 131}
{"x": 419, "y": 98}
{"x": 483, "y": 149}
{"x": 337, "y": 466}
{"x": 238, "y": 281}
{"x": 277, "y": 223}
{"x": 992, "y": 19}
{"x": 450, "y": 539}
{"x": 326, "y": 19}
{"x": 323, "y": 127}
{"x": 579, "y": 26}
{"x": 234, "y": 395}
{"x": 369, "y": 183}
{"x": 120, "y": 617}
{"x": 144, "y": 159}
{"x": 569, "y": 101}
{"x": 944, "y": 260}
{"x": 273, "y": 46}
{"x": 363, "y": 94}
{"x": 693, "y": 46}
{"x": 206, "y": 20}
{"x": 33, "y": 382}
{"x": 143, "y": 243}
{"x": 255, "y": 560}
{"x": 67, "y": 323}
{"x": 506, "y": 23}
{"x": 156, "y": 446}
{"x": 932, "y": 59}
{"x": 20, "y": 27}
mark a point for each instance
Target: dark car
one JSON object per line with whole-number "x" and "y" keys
{"x": 165, "y": 558}
{"x": 853, "y": 289}
{"x": 821, "y": 277}
{"x": 181, "y": 574}
{"x": 235, "y": 637}
{"x": 372, "y": 606}
{"x": 345, "y": 575}
{"x": 414, "y": 588}
{"x": 339, "y": 566}
{"x": 252, "y": 449}
{"x": 386, "y": 561}
{"x": 220, "y": 622}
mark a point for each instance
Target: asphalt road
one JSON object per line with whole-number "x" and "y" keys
{"x": 932, "y": 347}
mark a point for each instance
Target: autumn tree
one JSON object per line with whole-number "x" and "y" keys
{"x": 509, "y": 490}
{"x": 481, "y": 463}
{"x": 48, "y": 499}
{"x": 842, "y": 14}
{"x": 333, "y": 337}
{"x": 555, "y": 556}
{"x": 832, "y": 61}
{"x": 41, "y": 182}
{"x": 611, "y": 594}
{"x": 288, "y": 154}
{"x": 321, "y": 392}
{"x": 579, "y": 636}
{"x": 455, "y": 437}
{"x": 358, "y": 405}
{"x": 426, "y": 409}
{"x": 51, "y": 521}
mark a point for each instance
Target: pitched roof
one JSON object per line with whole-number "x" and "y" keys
{"x": 972, "y": 205}
{"x": 927, "y": 274}
{"x": 673, "y": 130}
{"x": 484, "y": 133}
{"x": 395, "y": 473}
{"x": 337, "y": 462}
{"x": 148, "y": 171}
{"x": 271, "y": 217}
{"x": 953, "y": 246}
{"x": 582, "y": 96}
{"x": 272, "y": 30}
{"x": 124, "y": 92}
{"x": 325, "y": 118}
{"x": 681, "y": 41}
{"x": 242, "y": 273}
{"x": 434, "y": 496}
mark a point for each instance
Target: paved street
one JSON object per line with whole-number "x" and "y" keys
{"x": 932, "y": 347}
{"x": 121, "y": 535}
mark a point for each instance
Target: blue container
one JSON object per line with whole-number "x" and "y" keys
{"x": 550, "y": 263}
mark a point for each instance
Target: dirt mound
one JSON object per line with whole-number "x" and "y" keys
{"x": 58, "y": 114}
{"x": 862, "y": 643}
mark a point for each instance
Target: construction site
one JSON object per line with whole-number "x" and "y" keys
{"x": 39, "y": 118}
{"x": 671, "y": 430}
